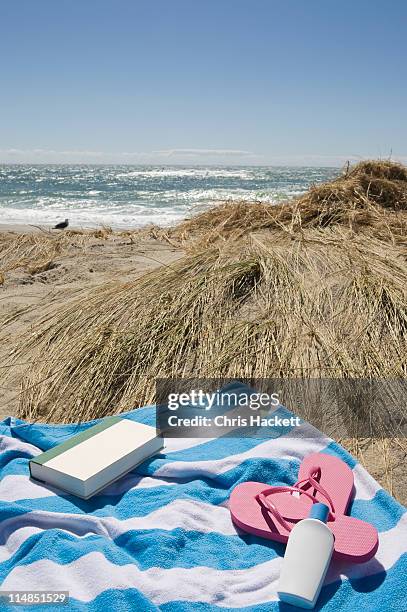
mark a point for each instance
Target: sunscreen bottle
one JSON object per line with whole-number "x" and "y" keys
{"x": 306, "y": 560}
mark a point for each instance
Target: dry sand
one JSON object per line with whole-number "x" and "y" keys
{"x": 24, "y": 296}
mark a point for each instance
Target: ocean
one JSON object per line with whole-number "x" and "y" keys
{"x": 124, "y": 196}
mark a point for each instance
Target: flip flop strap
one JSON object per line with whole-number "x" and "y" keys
{"x": 265, "y": 502}
{"x": 316, "y": 485}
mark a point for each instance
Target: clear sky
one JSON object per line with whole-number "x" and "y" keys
{"x": 202, "y": 81}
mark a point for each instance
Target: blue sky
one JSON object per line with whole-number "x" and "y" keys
{"x": 214, "y": 81}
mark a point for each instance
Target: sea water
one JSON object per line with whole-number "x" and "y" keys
{"x": 134, "y": 196}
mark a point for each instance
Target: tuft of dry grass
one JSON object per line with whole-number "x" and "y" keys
{"x": 314, "y": 288}
{"x": 41, "y": 266}
{"x": 34, "y": 250}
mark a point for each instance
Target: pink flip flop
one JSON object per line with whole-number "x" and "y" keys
{"x": 271, "y": 512}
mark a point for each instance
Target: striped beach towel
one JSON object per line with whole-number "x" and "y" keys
{"x": 161, "y": 538}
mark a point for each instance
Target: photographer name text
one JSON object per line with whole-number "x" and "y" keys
{"x": 225, "y": 421}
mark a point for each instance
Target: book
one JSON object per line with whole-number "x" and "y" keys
{"x": 89, "y": 461}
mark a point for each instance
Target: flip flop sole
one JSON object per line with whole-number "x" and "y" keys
{"x": 355, "y": 540}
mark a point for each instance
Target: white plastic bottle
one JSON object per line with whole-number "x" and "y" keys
{"x": 306, "y": 560}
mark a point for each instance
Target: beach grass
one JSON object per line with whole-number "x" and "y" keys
{"x": 35, "y": 251}
{"x": 315, "y": 287}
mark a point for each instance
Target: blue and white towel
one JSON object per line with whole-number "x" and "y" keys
{"x": 161, "y": 538}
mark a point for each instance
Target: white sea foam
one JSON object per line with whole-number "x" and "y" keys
{"x": 135, "y": 196}
{"x": 91, "y": 217}
{"x": 187, "y": 172}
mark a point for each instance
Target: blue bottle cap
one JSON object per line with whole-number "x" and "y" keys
{"x": 319, "y": 511}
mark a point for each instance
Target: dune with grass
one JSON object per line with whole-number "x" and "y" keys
{"x": 314, "y": 288}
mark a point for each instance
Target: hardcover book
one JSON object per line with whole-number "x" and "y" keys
{"x": 86, "y": 463}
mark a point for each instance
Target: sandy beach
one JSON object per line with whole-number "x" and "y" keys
{"x": 27, "y": 292}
